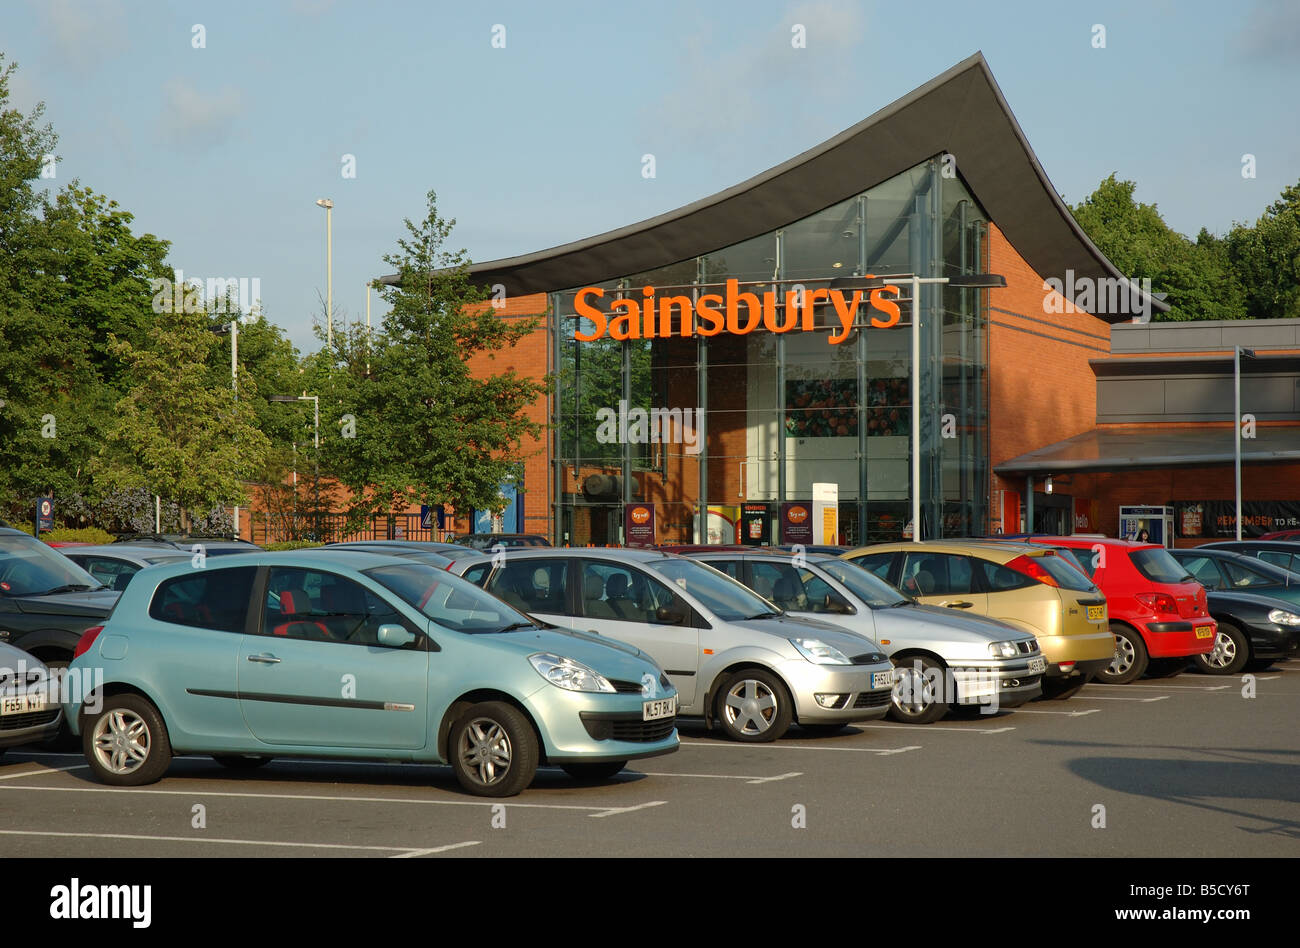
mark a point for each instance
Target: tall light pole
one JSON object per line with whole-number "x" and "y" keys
{"x": 1237, "y": 353}
{"x": 329, "y": 271}
{"x": 232, "y": 327}
{"x": 315, "y": 422}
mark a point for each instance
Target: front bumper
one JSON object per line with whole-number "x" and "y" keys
{"x": 1178, "y": 639}
{"x": 1011, "y": 680}
{"x": 860, "y": 698}
{"x": 1273, "y": 641}
{"x": 34, "y": 727}
{"x": 582, "y": 727}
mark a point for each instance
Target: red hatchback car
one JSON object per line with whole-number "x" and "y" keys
{"x": 1158, "y": 613}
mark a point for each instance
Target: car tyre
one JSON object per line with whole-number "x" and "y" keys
{"x": 1167, "y": 667}
{"x": 922, "y": 688}
{"x": 594, "y": 772}
{"x": 1130, "y": 659}
{"x": 494, "y": 750}
{"x": 126, "y": 743}
{"x": 1260, "y": 664}
{"x": 241, "y": 761}
{"x": 1230, "y": 655}
{"x": 1060, "y": 689}
{"x": 754, "y": 707}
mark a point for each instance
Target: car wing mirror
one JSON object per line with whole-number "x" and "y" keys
{"x": 393, "y": 635}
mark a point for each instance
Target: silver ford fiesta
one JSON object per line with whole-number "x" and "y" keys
{"x": 743, "y": 665}
{"x": 945, "y": 659}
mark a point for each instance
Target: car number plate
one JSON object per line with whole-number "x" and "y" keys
{"x": 654, "y": 710}
{"x": 882, "y": 679}
{"x": 1205, "y": 631}
{"x": 1037, "y": 665}
{"x": 22, "y": 704}
{"x": 1096, "y": 613}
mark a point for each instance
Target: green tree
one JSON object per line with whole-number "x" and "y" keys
{"x": 1195, "y": 276}
{"x": 1266, "y": 258}
{"x": 426, "y": 430}
{"x": 175, "y": 432}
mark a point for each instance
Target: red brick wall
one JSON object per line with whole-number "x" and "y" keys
{"x": 1041, "y": 387}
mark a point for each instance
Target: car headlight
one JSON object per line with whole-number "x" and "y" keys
{"x": 568, "y": 674}
{"x": 1282, "y": 617}
{"x": 819, "y": 653}
{"x": 1003, "y": 649}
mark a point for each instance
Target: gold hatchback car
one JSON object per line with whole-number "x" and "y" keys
{"x": 1023, "y": 585}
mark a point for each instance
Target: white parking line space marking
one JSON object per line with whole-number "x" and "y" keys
{"x": 804, "y": 747}
{"x": 197, "y": 792}
{"x": 1144, "y": 700}
{"x": 1073, "y": 714}
{"x": 233, "y": 842}
{"x": 1165, "y": 687}
{"x": 747, "y": 779}
{"x": 616, "y": 810}
{"x": 42, "y": 773}
{"x": 937, "y": 727}
{"x": 437, "y": 849}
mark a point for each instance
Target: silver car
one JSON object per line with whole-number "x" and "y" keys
{"x": 944, "y": 659}
{"x": 29, "y": 706}
{"x": 735, "y": 660}
{"x": 114, "y": 564}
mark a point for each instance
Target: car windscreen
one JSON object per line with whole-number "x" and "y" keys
{"x": 30, "y": 568}
{"x": 448, "y": 600}
{"x": 716, "y": 591}
{"x": 868, "y": 587}
{"x": 1159, "y": 567}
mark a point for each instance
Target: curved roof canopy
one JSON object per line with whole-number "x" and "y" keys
{"x": 961, "y": 112}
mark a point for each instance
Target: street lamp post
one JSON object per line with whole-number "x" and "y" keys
{"x": 329, "y": 271}
{"x": 232, "y": 327}
{"x": 315, "y": 400}
{"x": 1237, "y": 353}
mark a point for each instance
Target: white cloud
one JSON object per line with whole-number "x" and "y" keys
{"x": 199, "y": 119}
{"x": 86, "y": 31}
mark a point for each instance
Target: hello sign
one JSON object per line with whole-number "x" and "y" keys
{"x": 713, "y": 313}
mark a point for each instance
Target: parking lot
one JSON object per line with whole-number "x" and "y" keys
{"x": 1188, "y": 766}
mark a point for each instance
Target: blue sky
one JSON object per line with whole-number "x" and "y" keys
{"x": 224, "y": 149}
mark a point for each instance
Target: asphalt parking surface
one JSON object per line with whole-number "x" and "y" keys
{"x": 1183, "y": 767}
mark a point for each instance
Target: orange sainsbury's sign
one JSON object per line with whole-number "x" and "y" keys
{"x": 731, "y": 311}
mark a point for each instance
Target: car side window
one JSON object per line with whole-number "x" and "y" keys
{"x": 1240, "y": 576}
{"x": 324, "y": 607}
{"x": 532, "y": 585}
{"x": 1278, "y": 558}
{"x": 730, "y": 567}
{"x": 999, "y": 578}
{"x": 477, "y": 573}
{"x": 877, "y": 563}
{"x": 1204, "y": 570}
{"x": 936, "y": 574}
{"x": 209, "y": 598}
{"x": 114, "y": 574}
{"x": 613, "y": 591}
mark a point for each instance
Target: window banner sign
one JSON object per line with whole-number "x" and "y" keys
{"x": 755, "y": 524}
{"x": 640, "y": 525}
{"x": 1217, "y": 519}
{"x": 797, "y": 522}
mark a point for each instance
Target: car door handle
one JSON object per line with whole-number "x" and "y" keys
{"x": 594, "y": 631}
{"x": 959, "y": 605}
{"x": 264, "y": 659}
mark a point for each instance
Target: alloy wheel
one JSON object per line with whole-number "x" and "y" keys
{"x": 121, "y": 741}
{"x": 485, "y": 751}
{"x": 1225, "y": 651}
{"x": 1125, "y": 656}
{"x": 750, "y": 707}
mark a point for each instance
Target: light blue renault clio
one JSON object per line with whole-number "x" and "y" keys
{"x": 306, "y": 654}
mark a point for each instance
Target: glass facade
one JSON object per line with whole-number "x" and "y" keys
{"x": 707, "y": 427}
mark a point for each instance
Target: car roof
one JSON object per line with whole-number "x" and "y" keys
{"x": 1011, "y": 549}
{"x": 634, "y": 553}
{"x": 128, "y": 551}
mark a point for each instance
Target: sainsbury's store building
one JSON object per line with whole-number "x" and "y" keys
{"x": 714, "y": 363}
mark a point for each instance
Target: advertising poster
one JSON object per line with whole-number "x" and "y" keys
{"x": 640, "y": 520}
